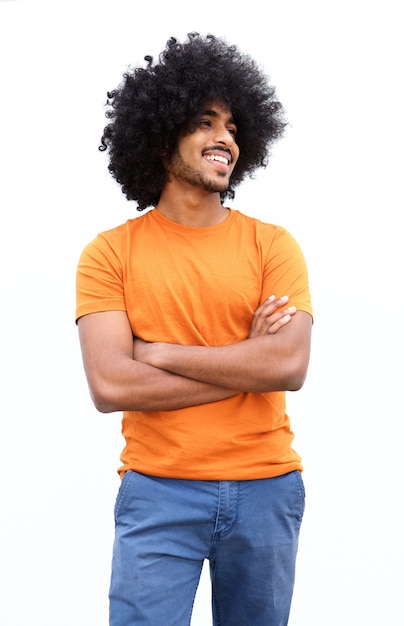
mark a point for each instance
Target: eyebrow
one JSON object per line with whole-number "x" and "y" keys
{"x": 212, "y": 113}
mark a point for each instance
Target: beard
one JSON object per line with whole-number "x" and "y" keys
{"x": 181, "y": 170}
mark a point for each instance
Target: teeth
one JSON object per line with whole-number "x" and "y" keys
{"x": 215, "y": 157}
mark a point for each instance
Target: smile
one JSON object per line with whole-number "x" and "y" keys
{"x": 216, "y": 157}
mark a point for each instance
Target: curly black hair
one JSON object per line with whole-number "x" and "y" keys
{"x": 153, "y": 104}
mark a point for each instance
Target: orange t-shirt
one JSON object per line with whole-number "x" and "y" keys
{"x": 198, "y": 286}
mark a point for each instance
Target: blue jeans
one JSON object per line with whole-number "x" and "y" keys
{"x": 165, "y": 528}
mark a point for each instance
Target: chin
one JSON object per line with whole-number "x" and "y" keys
{"x": 219, "y": 187}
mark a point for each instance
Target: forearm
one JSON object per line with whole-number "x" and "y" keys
{"x": 265, "y": 363}
{"x": 119, "y": 382}
{"x": 140, "y": 387}
{"x": 235, "y": 366}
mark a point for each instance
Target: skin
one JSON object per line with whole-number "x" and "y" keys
{"x": 127, "y": 374}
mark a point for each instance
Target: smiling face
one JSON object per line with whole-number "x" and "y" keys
{"x": 206, "y": 156}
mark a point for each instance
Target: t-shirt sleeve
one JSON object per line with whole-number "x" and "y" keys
{"x": 285, "y": 272}
{"x": 99, "y": 279}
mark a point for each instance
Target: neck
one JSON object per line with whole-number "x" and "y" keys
{"x": 192, "y": 207}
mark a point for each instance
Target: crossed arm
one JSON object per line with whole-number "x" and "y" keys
{"x": 127, "y": 374}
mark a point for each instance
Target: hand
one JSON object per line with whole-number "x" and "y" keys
{"x": 268, "y": 319}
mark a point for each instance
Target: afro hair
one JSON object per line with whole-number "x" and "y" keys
{"x": 153, "y": 104}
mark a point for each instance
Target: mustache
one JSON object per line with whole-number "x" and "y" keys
{"x": 218, "y": 149}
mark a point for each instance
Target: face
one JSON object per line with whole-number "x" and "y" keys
{"x": 205, "y": 157}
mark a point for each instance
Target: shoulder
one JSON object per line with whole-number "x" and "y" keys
{"x": 116, "y": 238}
{"x": 122, "y": 231}
{"x": 263, "y": 230}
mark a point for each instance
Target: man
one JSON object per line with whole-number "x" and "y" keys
{"x": 194, "y": 320}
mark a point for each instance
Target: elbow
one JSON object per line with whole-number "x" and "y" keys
{"x": 292, "y": 380}
{"x": 110, "y": 397}
{"x": 295, "y": 375}
{"x": 103, "y": 405}
{"x": 296, "y": 383}
{"x": 103, "y": 399}
{"x": 290, "y": 376}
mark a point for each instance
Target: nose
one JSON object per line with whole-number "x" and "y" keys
{"x": 224, "y": 137}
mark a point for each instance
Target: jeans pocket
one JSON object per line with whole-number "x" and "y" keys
{"x": 301, "y": 494}
{"x": 123, "y": 487}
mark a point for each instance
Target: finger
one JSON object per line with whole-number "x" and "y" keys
{"x": 278, "y": 316}
{"x": 265, "y": 305}
{"x": 271, "y": 304}
{"x": 279, "y": 324}
{"x": 269, "y": 312}
{"x": 267, "y": 317}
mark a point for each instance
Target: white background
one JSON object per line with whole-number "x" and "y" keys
{"x": 335, "y": 181}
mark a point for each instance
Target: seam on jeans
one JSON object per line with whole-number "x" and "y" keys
{"x": 218, "y": 508}
{"x": 239, "y": 484}
{"x": 223, "y": 534}
{"x": 218, "y": 621}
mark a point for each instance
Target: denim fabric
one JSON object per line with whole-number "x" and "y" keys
{"x": 165, "y": 528}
